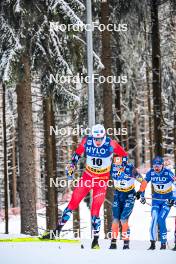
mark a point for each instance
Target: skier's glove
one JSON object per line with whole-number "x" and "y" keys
{"x": 170, "y": 202}
{"x": 143, "y": 200}
{"x": 138, "y": 195}
{"x": 70, "y": 171}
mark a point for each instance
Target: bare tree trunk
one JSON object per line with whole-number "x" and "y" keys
{"x": 54, "y": 167}
{"x": 27, "y": 190}
{"x": 148, "y": 94}
{"x": 14, "y": 179}
{"x": 118, "y": 100}
{"x": 173, "y": 24}
{"x": 118, "y": 112}
{"x": 107, "y": 103}
{"x": 137, "y": 148}
{"x": 156, "y": 70}
{"x": 125, "y": 138}
{"x": 149, "y": 115}
{"x": 50, "y": 159}
{"x": 6, "y": 188}
{"x": 156, "y": 65}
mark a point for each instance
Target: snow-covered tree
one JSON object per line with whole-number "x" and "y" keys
{"x": 31, "y": 42}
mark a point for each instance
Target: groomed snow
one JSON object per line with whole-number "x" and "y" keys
{"x": 51, "y": 253}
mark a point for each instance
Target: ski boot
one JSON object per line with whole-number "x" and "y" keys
{"x": 174, "y": 248}
{"x": 152, "y": 246}
{"x": 163, "y": 246}
{"x": 126, "y": 244}
{"x": 52, "y": 235}
{"x": 113, "y": 244}
{"x": 95, "y": 244}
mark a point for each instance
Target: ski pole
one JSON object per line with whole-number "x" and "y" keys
{"x": 156, "y": 199}
{"x": 175, "y": 231}
{"x": 148, "y": 203}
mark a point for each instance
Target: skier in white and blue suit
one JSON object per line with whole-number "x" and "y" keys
{"x": 124, "y": 175}
{"x": 162, "y": 180}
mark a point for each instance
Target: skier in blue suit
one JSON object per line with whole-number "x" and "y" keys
{"x": 124, "y": 175}
{"x": 162, "y": 180}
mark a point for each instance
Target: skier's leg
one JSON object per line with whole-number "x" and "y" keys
{"x": 127, "y": 210}
{"x": 116, "y": 211}
{"x": 79, "y": 192}
{"x": 115, "y": 228}
{"x": 99, "y": 193}
{"x": 174, "y": 248}
{"x": 65, "y": 217}
{"x": 56, "y": 232}
{"x": 96, "y": 223}
{"x": 162, "y": 224}
{"x": 153, "y": 225}
{"x": 115, "y": 231}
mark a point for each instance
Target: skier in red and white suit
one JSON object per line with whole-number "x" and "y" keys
{"x": 99, "y": 150}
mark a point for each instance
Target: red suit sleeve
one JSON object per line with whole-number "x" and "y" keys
{"x": 118, "y": 149}
{"x": 81, "y": 147}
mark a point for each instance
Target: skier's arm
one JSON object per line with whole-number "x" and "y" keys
{"x": 140, "y": 193}
{"x": 117, "y": 149}
{"x": 145, "y": 182}
{"x": 143, "y": 186}
{"x": 172, "y": 202}
{"x": 172, "y": 177}
{"x": 75, "y": 158}
{"x": 135, "y": 174}
{"x": 78, "y": 152}
{"x": 173, "y": 180}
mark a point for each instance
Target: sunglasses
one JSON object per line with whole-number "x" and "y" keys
{"x": 98, "y": 139}
{"x": 157, "y": 166}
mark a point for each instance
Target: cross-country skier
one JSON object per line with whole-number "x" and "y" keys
{"x": 124, "y": 175}
{"x": 162, "y": 180}
{"x": 98, "y": 149}
{"x": 174, "y": 194}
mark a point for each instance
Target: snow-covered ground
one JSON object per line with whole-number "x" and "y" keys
{"x": 51, "y": 253}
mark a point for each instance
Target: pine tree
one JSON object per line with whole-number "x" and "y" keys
{"x": 29, "y": 43}
{"x": 107, "y": 102}
{"x": 156, "y": 70}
